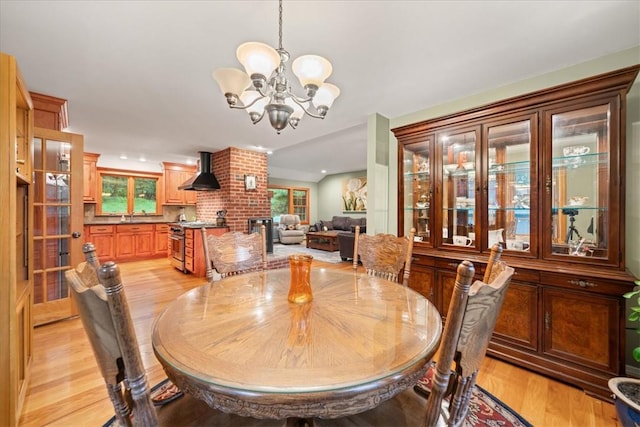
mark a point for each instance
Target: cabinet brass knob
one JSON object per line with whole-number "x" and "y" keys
{"x": 583, "y": 283}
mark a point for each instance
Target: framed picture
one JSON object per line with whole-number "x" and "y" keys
{"x": 354, "y": 195}
{"x": 250, "y": 182}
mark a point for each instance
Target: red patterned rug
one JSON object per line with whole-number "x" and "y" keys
{"x": 484, "y": 408}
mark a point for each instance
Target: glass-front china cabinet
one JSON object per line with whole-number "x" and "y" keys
{"x": 542, "y": 175}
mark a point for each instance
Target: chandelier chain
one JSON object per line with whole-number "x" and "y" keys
{"x": 280, "y": 25}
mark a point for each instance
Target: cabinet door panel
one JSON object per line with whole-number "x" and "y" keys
{"x": 456, "y": 198}
{"x": 582, "y": 329}
{"x": 511, "y": 184}
{"x": 518, "y": 318}
{"x": 421, "y": 280}
{"x": 162, "y": 243}
{"x": 582, "y": 174}
{"x": 144, "y": 244}
{"x": 126, "y": 245}
{"x": 446, "y": 281}
{"x": 104, "y": 246}
{"x": 417, "y": 181}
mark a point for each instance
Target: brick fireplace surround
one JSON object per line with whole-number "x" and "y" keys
{"x": 230, "y": 166}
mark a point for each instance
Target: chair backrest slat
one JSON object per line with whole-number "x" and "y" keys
{"x": 104, "y": 311}
{"x": 234, "y": 252}
{"x": 471, "y": 319}
{"x": 384, "y": 255}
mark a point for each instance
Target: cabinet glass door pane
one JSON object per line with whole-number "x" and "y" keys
{"x": 580, "y": 184}
{"x": 458, "y": 187}
{"x": 417, "y": 190}
{"x": 509, "y": 186}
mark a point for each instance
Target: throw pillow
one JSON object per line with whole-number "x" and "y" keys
{"x": 340, "y": 223}
{"x": 291, "y": 227}
{"x": 327, "y": 224}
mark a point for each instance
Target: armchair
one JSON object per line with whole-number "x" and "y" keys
{"x": 290, "y": 231}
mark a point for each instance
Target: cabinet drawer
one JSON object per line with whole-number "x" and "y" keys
{"x": 162, "y": 227}
{"x": 188, "y": 243}
{"x": 188, "y": 233}
{"x": 585, "y": 283}
{"x": 134, "y": 228}
{"x": 100, "y": 229}
{"x": 188, "y": 263}
{"x": 449, "y": 264}
{"x": 188, "y": 252}
{"x": 524, "y": 275}
{"x": 422, "y": 260}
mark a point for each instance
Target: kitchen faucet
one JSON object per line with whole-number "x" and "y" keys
{"x": 131, "y": 216}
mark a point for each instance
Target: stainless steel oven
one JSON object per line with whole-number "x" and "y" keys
{"x": 176, "y": 240}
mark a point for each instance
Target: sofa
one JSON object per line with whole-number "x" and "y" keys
{"x": 290, "y": 231}
{"x": 346, "y": 227}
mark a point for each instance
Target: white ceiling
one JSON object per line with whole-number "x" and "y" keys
{"x": 137, "y": 74}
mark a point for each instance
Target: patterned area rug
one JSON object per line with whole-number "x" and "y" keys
{"x": 281, "y": 251}
{"x": 484, "y": 408}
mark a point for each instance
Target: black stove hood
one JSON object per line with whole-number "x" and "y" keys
{"x": 205, "y": 180}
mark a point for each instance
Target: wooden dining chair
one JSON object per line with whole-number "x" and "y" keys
{"x": 234, "y": 252}
{"x": 102, "y": 305}
{"x": 384, "y": 255}
{"x": 470, "y": 321}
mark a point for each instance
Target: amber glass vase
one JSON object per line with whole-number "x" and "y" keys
{"x": 300, "y": 286}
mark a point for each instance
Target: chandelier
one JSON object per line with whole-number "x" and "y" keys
{"x": 264, "y": 88}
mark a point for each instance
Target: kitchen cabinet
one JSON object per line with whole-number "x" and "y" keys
{"x": 102, "y": 237}
{"x": 16, "y": 239}
{"x": 128, "y": 241}
{"x": 540, "y": 174}
{"x": 194, "y": 249}
{"x": 90, "y": 161}
{"x": 49, "y": 112}
{"x": 134, "y": 241}
{"x": 161, "y": 239}
{"x": 176, "y": 174}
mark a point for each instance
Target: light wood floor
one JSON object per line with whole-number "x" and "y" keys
{"x": 66, "y": 388}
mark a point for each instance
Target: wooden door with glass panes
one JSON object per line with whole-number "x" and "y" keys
{"x": 457, "y": 196}
{"x": 511, "y": 184}
{"x": 58, "y": 220}
{"x": 579, "y": 175}
{"x": 418, "y": 191}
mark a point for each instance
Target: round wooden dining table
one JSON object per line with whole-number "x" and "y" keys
{"x": 239, "y": 345}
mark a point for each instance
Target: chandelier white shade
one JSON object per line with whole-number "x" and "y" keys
{"x": 263, "y": 86}
{"x": 258, "y": 58}
{"x": 311, "y": 70}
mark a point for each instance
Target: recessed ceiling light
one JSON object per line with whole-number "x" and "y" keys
{"x": 123, "y": 157}
{"x": 269, "y": 152}
{"x": 142, "y": 159}
{"x": 190, "y": 161}
{"x": 323, "y": 171}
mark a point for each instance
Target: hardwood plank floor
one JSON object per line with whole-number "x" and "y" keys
{"x": 66, "y": 387}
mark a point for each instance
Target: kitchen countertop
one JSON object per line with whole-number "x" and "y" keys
{"x": 128, "y": 222}
{"x": 189, "y": 224}
{"x": 198, "y": 224}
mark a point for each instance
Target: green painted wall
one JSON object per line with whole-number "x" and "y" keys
{"x": 330, "y": 195}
